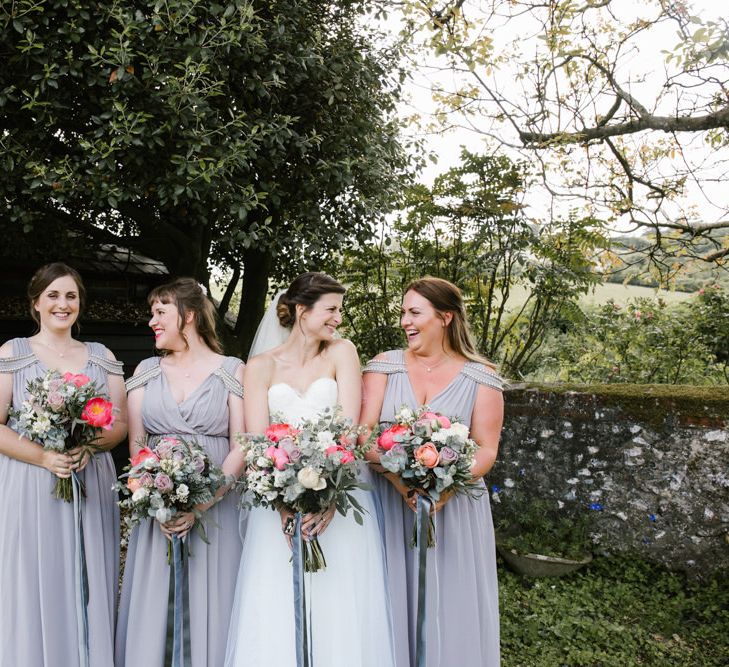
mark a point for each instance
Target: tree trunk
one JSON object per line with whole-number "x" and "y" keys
{"x": 256, "y": 270}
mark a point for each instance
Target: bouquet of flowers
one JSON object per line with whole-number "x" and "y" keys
{"x": 306, "y": 469}
{"x": 431, "y": 453}
{"x": 171, "y": 476}
{"x": 63, "y": 412}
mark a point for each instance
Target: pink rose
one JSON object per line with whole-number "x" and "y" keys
{"x": 165, "y": 446}
{"x": 79, "y": 379}
{"x": 442, "y": 420}
{"x": 387, "y": 438}
{"x": 56, "y": 400}
{"x": 98, "y": 412}
{"x": 163, "y": 482}
{"x": 277, "y": 431}
{"x": 146, "y": 479}
{"x": 427, "y": 455}
{"x": 133, "y": 484}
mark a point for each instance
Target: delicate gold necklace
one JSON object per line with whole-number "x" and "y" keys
{"x": 60, "y": 353}
{"x": 432, "y": 366}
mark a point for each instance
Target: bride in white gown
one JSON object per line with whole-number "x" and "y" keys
{"x": 348, "y": 602}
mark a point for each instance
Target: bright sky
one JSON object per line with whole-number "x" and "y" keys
{"x": 446, "y": 146}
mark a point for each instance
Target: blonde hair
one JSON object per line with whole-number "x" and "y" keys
{"x": 188, "y": 295}
{"x": 445, "y": 297}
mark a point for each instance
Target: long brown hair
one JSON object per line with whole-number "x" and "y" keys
{"x": 44, "y": 277}
{"x": 188, "y": 295}
{"x": 445, "y": 297}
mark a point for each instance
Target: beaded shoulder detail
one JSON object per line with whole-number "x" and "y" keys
{"x": 231, "y": 383}
{"x": 478, "y": 373}
{"x": 141, "y": 379}
{"x": 111, "y": 366}
{"x": 384, "y": 366}
{"x": 17, "y": 362}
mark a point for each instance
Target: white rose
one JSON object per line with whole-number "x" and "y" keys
{"x": 459, "y": 430}
{"x": 441, "y": 436}
{"x": 325, "y": 439}
{"x": 140, "y": 494}
{"x": 183, "y": 492}
{"x": 310, "y": 479}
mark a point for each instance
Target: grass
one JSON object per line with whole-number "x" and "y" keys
{"x": 617, "y": 612}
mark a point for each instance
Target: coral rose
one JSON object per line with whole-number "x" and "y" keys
{"x": 79, "y": 379}
{"x": 386, "y": 441}
{"x": 427, "y": 455}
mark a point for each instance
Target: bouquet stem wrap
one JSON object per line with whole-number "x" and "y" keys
{"x": 304, "y": 657}
{"x": 82, "y": 583}
{"x": 178, "y": 652}
{"x": 422, "y": 524}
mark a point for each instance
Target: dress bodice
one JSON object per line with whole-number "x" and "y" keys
{"x": 294, "y": 407}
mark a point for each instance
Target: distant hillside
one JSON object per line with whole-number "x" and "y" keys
{"x": 692, "y": 274}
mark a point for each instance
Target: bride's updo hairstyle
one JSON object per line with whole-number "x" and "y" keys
{"x": 44, "y": 277}
{"x": 445, "y": 297}
{"x": 188, "y": 295}
{"x": 305, "y": 291}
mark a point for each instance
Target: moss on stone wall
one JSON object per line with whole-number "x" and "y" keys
{"x": 656, "y": 404}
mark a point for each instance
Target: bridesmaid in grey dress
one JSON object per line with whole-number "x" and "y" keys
{"x": 38, "y": 584}
{"x": 440, "y": 368}
{"x": 195, "y": 393}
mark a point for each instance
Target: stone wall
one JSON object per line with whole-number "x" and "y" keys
{"x": 649, "y": 464}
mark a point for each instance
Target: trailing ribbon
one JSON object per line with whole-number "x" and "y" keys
{"x": 422, "y": 522}
{"x": 82, "y": 582}
{"x": 178, "y": 652}
{"x": 303, "y": 641}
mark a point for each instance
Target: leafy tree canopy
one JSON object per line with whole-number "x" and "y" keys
{"x": 619, "y": 105}
{"x": 197, "y": 132}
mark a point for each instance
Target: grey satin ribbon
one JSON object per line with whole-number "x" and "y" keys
{"x": 178, "y": 652}
{"x": 303, "y": 641}
{"x": 422, "y": 519}
{"x": 81, "y": 576}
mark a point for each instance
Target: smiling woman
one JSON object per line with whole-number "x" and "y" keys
{"x": 191, "y": 392}
{"x": 41, "y": 592}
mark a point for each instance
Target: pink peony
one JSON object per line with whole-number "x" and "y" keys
{"x": 79, "y": 379}
{"x": 98, "y": 412}
{"x": 427, "y": 455}
{"x": 142, "y": 455}
{"x": 387, "y": 437}
{"x": 279, "y": 457}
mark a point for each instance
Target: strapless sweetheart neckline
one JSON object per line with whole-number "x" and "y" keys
{"x": 306, "y": 391}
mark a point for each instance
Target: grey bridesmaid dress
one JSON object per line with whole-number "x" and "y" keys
{"x": 38, "y": 612}
{"x": 142, "y": 623}
{"x": 462, "y": 602}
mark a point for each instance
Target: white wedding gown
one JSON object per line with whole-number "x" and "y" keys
{"x": 349, "y": 606}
